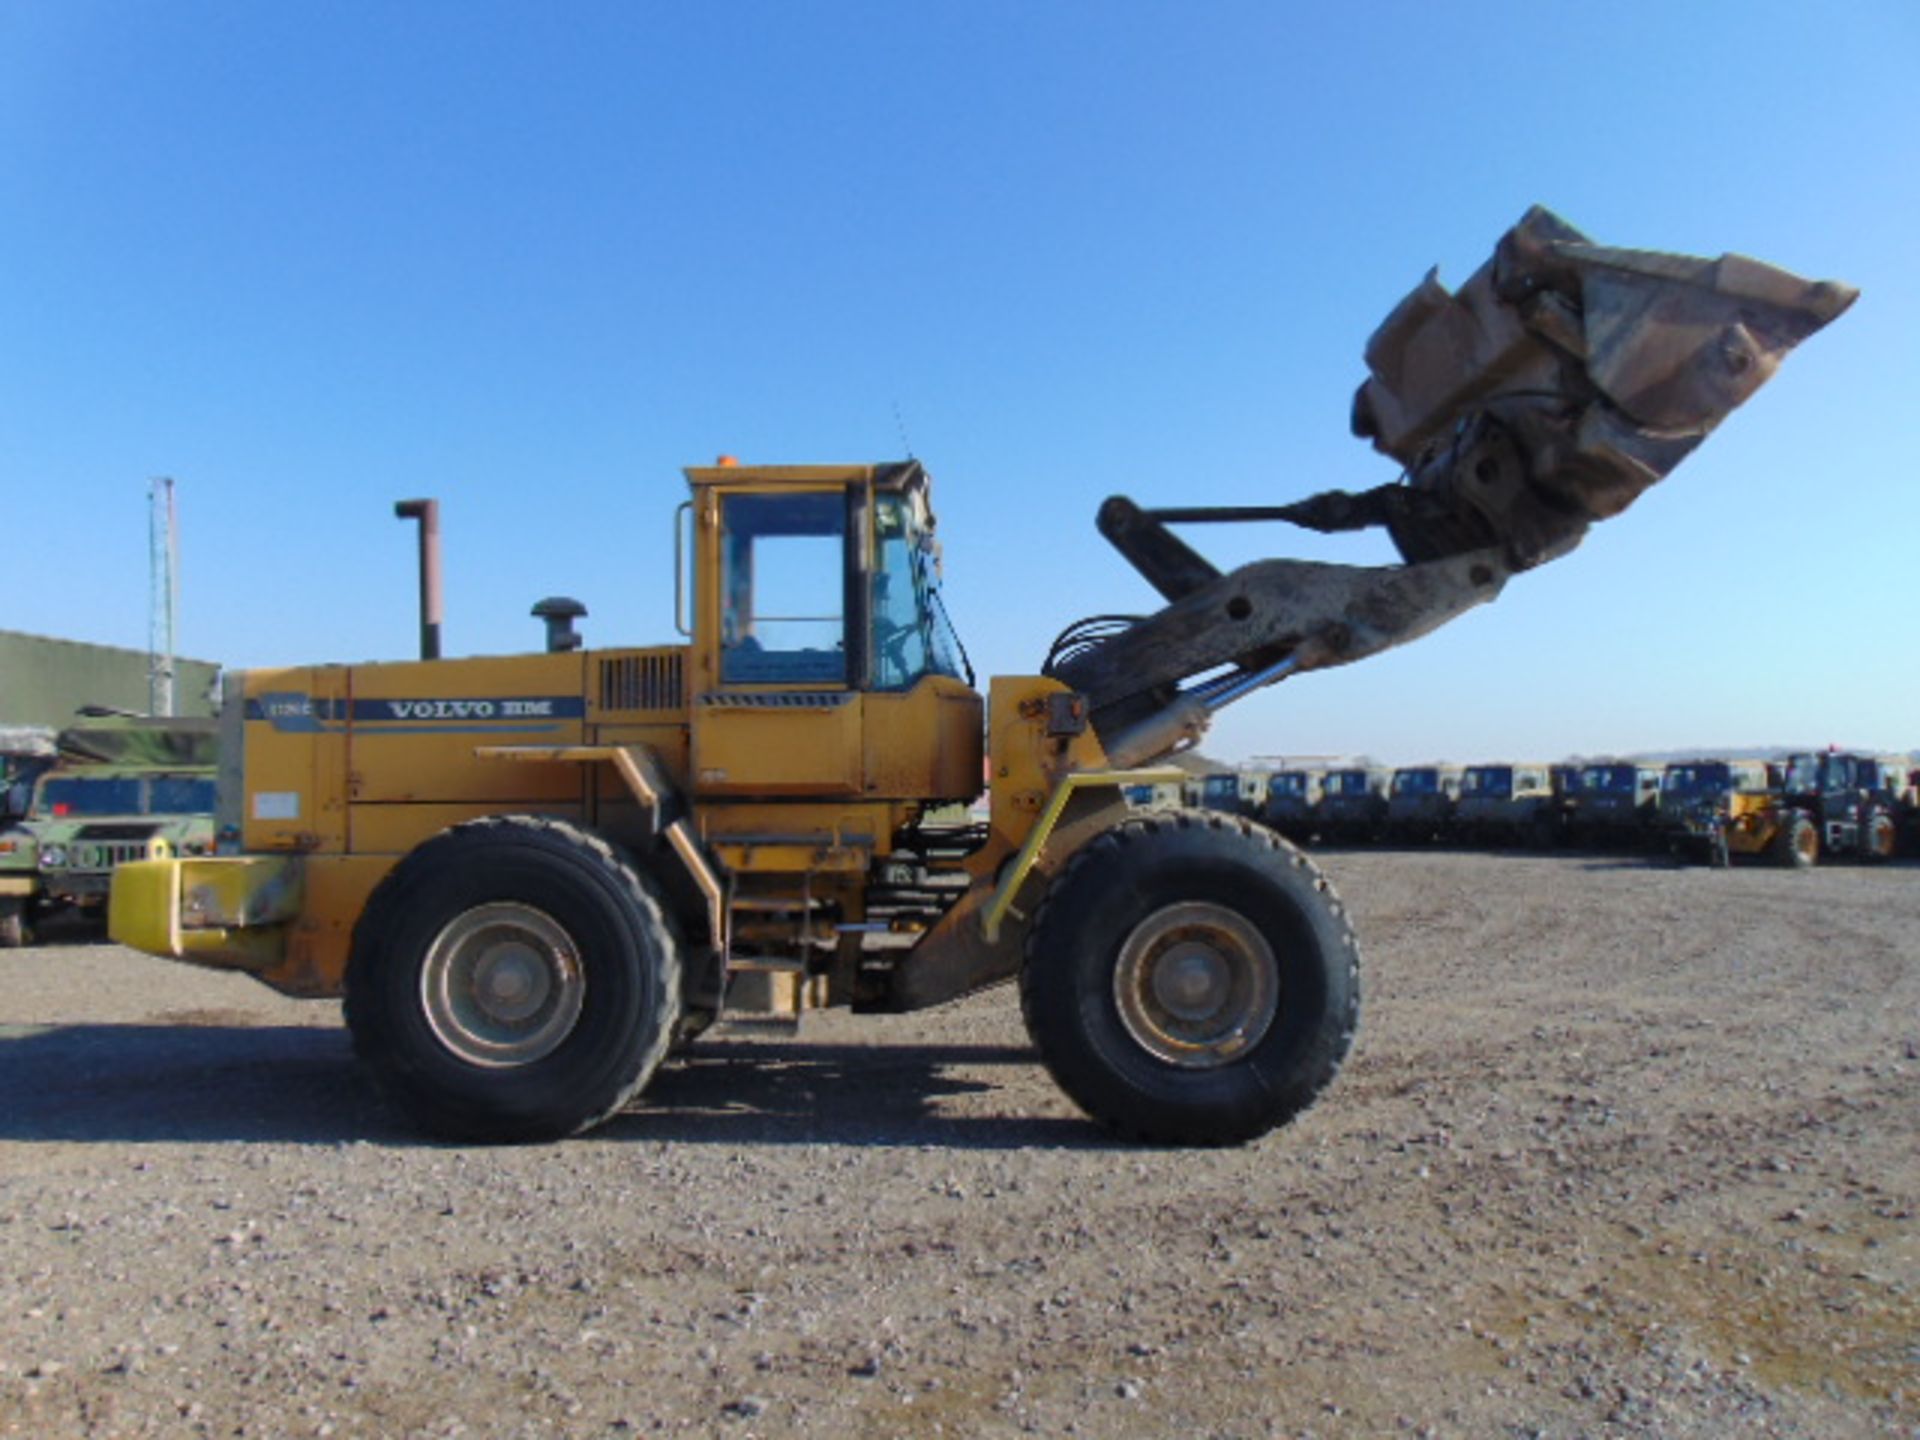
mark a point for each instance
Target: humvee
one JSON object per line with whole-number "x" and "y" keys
{"x": 1221, "y": 791}
{"x": 1353, "y": 803}
{"x": 1508, "y": 803}
{"x": 122, "y": 790}
{"x": 1421, "y": 801}
{"x": 1615, "y": 802}
{"x": 1291, "y": 804}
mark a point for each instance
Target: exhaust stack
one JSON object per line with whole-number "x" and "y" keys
{"x": 427, "y": 512}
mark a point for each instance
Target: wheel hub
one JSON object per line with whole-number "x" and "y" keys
{"x": 1196, "y": 985}
{"x": 502, "y": 984}
{"x": 510, "y": 982}
{"x": 1191, "y": 981}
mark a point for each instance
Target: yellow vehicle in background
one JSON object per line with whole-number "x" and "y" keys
{"x": 1714, "y": 809}
{"x": 531, "y": 876}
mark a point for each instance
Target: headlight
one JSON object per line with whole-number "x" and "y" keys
{"x": 52, "y": 856}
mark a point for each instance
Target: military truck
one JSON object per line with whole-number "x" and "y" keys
{"x": 1291, "y": 804}
{"x": 25, "y": 751}
{"x": 1508, "y": 803}
{"x": 1421, "y": 801}
{"x": 1166, "y": 795}
{"x": 1353, "y": 803}
{"x": 121, "y": 789}
{"x": 19, "y": 883}
{"x": 1614, "y": 802}
{"x": 1713, "y": 809}
{"x": 1225, "y": 791}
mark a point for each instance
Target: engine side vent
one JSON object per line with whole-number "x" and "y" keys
{"x": 655, "y": 680}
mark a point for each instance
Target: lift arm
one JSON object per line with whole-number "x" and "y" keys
{"x": 1559, "y": 383}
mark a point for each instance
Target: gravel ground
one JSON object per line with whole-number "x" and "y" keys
{"x": 1624, "y": 1149}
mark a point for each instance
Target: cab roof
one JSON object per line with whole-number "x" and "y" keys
{"x": 884, "y": 475}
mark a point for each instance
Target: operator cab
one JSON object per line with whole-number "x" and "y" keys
{"x": 828, "y": 578}
{"x": 823, "y": 663}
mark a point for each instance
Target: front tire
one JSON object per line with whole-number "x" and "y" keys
{"x": 13, "y": 923}
{"x": 513, "y": 979}
{"x": 1191, "y": 979}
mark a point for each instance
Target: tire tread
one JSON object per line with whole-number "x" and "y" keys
{"x": 659, "y": 947}
{"x": 1138, "y": 828}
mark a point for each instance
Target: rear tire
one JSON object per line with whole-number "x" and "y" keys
{"x": 1797, "y": 845}
{"x": 689, "y": 1028}
{"x": 513, "y": 979}
{"x": 1191, "y": 980}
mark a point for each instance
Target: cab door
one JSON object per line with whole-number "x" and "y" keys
{"x": 784, "y": 718}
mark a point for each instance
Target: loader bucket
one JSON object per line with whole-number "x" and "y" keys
{"x": 1563, "y": 379}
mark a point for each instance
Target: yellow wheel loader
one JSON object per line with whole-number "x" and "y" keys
{"x": 531, "y": 877}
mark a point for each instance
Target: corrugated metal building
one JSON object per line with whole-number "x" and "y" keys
{"x": 43, "y": 681}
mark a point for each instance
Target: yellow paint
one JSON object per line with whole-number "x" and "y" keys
{"x": 348, "y": 769}
{"x": 792, "y": 859}
{"x": 227, "y": 912}
{"x": 995, "y": 914}
{"x": 400, "y": 760}
{"x": 1753, "y": 820}
{"x": 296, "y": 760}
{"x": 1026, "y": 762}
{"x": 393, "y": 830}
{"x": 925, "y": 743}
{"x": 812, "y": 747}
{"x": 319, "y": 945}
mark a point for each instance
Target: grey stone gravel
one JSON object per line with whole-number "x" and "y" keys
{"x": 1624, "y": 1150}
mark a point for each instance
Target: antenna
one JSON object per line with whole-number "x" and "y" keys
{"x": 164, "y": 593}
{"x": 900, "y": 422}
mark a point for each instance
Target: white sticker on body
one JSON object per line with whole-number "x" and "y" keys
{"x": 276, "y": 805}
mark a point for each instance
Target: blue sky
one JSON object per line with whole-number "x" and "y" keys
{"x": 311, "y": 259}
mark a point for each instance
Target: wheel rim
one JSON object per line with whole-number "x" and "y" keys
{"x": 1806, "y": 841}
{"x": 1880, "y": 837}
{"x": 502, "y": 985}
{"x": 1196, "y": 985}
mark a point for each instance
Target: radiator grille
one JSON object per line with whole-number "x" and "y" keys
{"x": 643, "y": 682}
{"x": 103, "y": 856}
{"x": 777, "y": 699}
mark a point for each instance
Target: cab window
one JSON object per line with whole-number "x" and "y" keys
{"x": 179, "y": 795}
{"x": 783, "y": 589}
{"x": 911, "y": 635}
{"x": 117, "y": 795}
